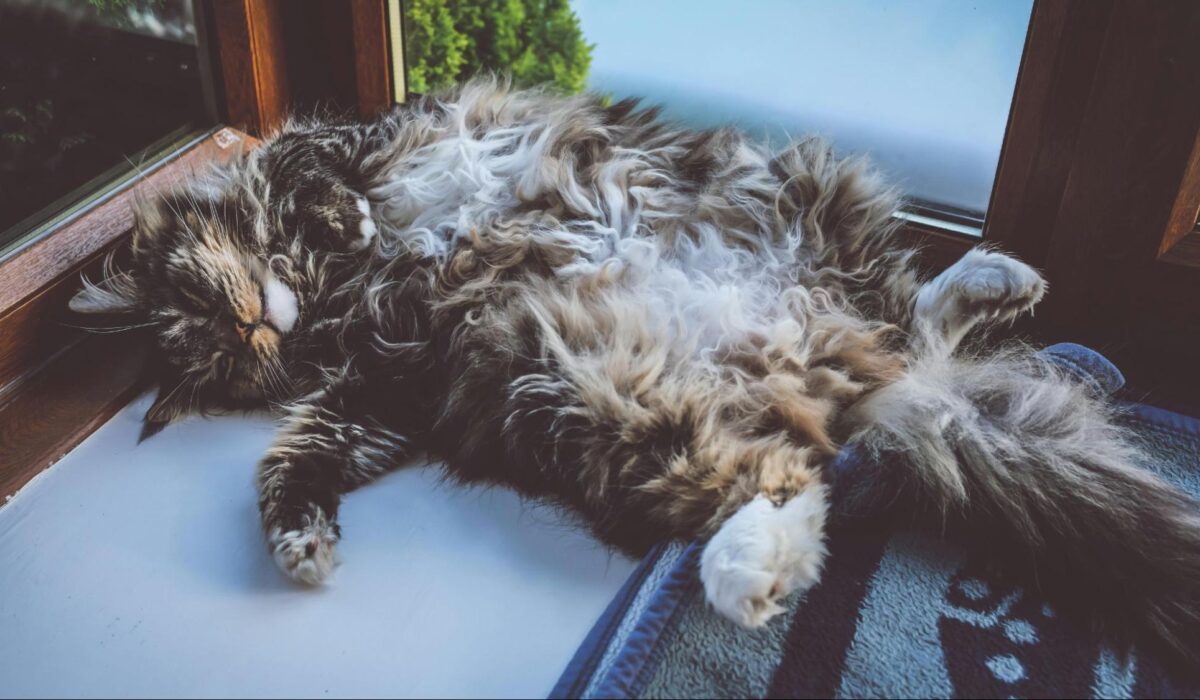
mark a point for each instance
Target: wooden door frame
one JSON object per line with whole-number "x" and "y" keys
{"x": 263, "y": 60}
{"x": 1099, "y": 184}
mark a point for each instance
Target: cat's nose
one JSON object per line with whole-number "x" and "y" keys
{"x": 244, "y": 330}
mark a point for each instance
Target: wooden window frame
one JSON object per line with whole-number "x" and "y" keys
{"x": 1082, "y": 56}
{"x": 248, "y": 36}
{"x": 1181, "y": 239}
{"x": 58, "y": 382}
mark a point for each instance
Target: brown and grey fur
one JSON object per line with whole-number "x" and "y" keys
{"x": 668, "y": 331}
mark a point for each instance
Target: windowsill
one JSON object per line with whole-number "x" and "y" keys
{"x": 142, "y": 569}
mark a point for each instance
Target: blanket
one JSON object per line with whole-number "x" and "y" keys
{"x": 896, "y": 614}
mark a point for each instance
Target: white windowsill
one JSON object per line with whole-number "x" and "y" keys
{"x": 130, "y": 570}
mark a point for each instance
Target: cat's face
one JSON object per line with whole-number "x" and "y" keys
{"x": 201, "y": 278}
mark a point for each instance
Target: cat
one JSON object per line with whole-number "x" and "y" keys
{"x": 670, "y": 332}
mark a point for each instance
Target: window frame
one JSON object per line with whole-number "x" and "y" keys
{"x": 247, "y": 38}
{"x": 97, "y": 189}
{"x": 58, "y": 383}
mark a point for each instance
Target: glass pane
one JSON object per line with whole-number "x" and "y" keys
{"x": 923, "y": 87}
{"x": 86, "y": 86}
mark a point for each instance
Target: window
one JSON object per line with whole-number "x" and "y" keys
{"x": 90, "y": 91}
{"x": 924, "y": 88}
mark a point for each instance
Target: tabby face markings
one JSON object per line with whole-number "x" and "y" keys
{"x": 224, "y": 314}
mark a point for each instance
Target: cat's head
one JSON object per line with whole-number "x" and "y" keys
{"x": 201, "y": 277}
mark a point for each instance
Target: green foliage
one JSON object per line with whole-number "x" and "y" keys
{"x": 532, "y": 41}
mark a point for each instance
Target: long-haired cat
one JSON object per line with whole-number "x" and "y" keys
{"x": 668, "y": 331}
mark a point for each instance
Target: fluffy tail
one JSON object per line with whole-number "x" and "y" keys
{"x": 1014, "y": 453}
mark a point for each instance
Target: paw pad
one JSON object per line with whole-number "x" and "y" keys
{"x": 308, "y": 554}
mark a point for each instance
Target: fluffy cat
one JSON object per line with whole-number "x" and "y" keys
{"x": 668, "y": 331}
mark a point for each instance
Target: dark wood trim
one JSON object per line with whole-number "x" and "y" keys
{"x": 1057, "y": 71}
{"x": 339, "y": 57}
{"x": 63, "y": 249}
{"x": 58, "y": 408}
{"x": 1099, "y": 174}
{"x": 250, "y": 40}
{"x": 1185, "y": 251}
{"x": 1133, "y": 148}
{"x": 937, "y": 248}
{"x": 372, "y": 56}
{"x": 35, "y": 331}
{"x": 59, "y": 382}
{"x": 1181, "y": 239}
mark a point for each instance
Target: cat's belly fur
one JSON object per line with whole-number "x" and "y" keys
{"x": 590, "y": 312}
{"x": 701, "y": 275}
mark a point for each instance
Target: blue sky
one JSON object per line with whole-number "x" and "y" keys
{"x": 923, "y": 86}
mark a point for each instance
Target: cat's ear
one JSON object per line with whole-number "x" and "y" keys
{"x": 115, "y": 294}
{"x": 149, "y": 218}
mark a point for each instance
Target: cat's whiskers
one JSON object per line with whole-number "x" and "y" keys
{"x": 272, "y": 377}
{"x": 113, "y": 329}
{"x": 188, "y": 379}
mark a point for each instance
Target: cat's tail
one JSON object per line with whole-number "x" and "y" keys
{"x": 1013, "y": 452}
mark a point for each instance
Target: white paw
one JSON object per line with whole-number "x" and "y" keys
{"x": 282, "y": 308}
{"x": 366, "y": 228}
{"x": 764, "y": 553}
{"x": 996, "y": 286}
{"x": 307, "y": 555}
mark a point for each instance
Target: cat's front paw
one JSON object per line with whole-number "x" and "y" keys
{"x": 307, "y": 554}
{"x": 343, "y": 219}
{"x": 365, "y": 226}
{"x": 764, "y": 553}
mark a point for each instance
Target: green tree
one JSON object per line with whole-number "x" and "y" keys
{"x": 533, "y": 41}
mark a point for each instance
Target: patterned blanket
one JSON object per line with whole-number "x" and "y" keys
{"x": 897, "y": 614}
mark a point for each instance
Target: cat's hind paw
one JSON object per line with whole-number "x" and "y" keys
{"x": 307, "y": 555}
{"x": 999, "y": 287}
{"x": 983, "y": 285}
{"x": 764, "y": 553}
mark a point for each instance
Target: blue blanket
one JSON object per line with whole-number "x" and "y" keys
{"x": 897, "y": 614}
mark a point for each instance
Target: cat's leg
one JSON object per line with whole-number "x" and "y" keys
{"x": 982, "y": 286}
{"x": 323, "y": 450}
{"x": 682, "y": 463}
{"x": 846, "y": 215}
{"x": 763, "y": 553}
{"x": 322, "y": 173}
